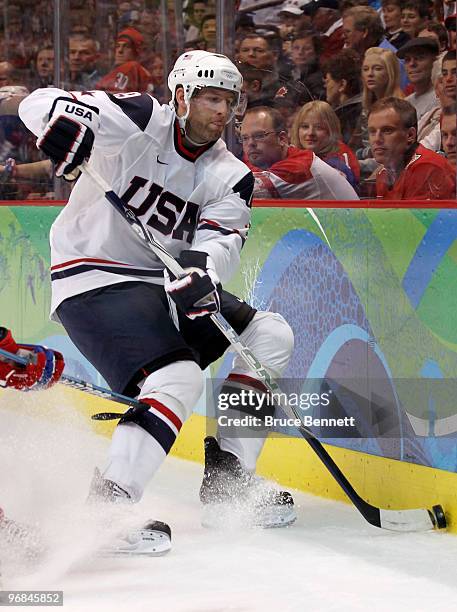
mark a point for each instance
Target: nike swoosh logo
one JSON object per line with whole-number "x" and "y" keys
{"x": 160, "y": 162}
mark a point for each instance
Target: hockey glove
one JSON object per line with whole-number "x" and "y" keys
{"x": 69, "y": 135}
{"x": 45, "y": 366}
{"x": 197, "y": 293}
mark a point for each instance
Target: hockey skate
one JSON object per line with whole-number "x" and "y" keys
{"x": 232, "y": 495}
{"x": 152, "y": 539}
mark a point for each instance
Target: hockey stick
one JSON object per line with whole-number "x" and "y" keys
{"x": 82, "y": 385}
{"x": 396, "y": 520}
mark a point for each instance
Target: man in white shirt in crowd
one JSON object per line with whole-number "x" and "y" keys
{"x": 419, "y": 55}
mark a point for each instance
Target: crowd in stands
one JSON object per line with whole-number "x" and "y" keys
{"x": 366, "y": 88}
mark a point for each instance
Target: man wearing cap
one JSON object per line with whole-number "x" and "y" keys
{"x": 419, "y": 55}
{"x": 292, "y": 18}
{"x": 408, "y": 170}
{"x": 326, "y": 19}
{"x": 128, "y": 74}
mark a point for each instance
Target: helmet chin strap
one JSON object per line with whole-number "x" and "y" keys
{"x": 193, "y": 142}
{"x": 182, "y": 124}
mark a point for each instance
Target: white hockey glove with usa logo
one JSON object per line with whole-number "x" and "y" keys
{"x": 69, "y": 135}
{"x": 197, "y": 293}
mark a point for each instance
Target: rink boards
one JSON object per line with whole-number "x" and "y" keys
{"x": 370, "y": 293}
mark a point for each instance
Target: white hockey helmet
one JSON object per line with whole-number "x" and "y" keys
{"x": 197, "y": 69}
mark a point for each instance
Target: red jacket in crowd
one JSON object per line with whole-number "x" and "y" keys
{"x": 428, "y": 176}
{"x": 301, "y": 175}
{"x": 130, "y": 76}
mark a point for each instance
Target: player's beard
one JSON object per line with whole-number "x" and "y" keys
{"x": 201, "y": 132}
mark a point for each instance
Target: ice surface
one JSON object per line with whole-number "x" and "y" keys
{"x": 330, "y": 560}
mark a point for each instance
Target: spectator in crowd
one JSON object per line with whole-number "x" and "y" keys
{"x": 257, "y": 50}
{"x": 244, "y": 24}
{"x": 9, "y": 75}
{"x": 444, "y": 81}
{"x": 380, "y": 79}
{"x": 408, "y": 170}
{"x": 343, "y": 90}
{"x": 391, "y": 12}
{"x": 326, "y": 20}
{"x": 380, "y": 76}
{"x": 414, "y": 16}
{"x": 448, "y": 71}
{"x": 283, "y": 171}
{"x": 196, "y": 11}
{"x": 208, "y": 32}
{"x": 448, "y": 132}
{"x": 287, "y": 103}
{"x": 437, "y": 31}
{"x": 149, "y": 26}
{"x": 15, "y": 37}
{"x": 316, "y": 128}
{"x": 304, "y": 54}
{"x": 419, "y": 55}
{"x": 252, "y": 92}
{"x": 154, "y": 65}
{"x": 363, "y": 29}
{"x": 292, "y": 19}
{"x": 127, "y": 74}
{"x": 81, "y": 22}
{"x": 83, "y": 56}
{"x": 44, "y": 68}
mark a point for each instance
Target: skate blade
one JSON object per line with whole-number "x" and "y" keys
{"x": 142, "y": 543}
{"x": 228, "y": 516}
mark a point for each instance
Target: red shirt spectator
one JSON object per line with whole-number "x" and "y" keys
{"x": 300, "y": 175}
{"x": 408, "y": 170}
{"x": 326, "y": 20}
{"x": 130, "y": 76}
{"x": 316, "y": 128}
{"x": 428, "y": 176}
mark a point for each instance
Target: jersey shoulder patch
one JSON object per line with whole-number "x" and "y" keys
{"x": 245, "y": 188}
{"x": 137, "y": 106}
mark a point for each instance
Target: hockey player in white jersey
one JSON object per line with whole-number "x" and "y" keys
{"x": 171, "y": 168}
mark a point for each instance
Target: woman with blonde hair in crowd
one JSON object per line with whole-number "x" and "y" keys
{"x": 380, "y": 79}
{"x": 317, "y": 128}
{"x": 380, "y": 76}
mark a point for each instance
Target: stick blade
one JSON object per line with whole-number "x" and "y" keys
{"x": 413, "y": 520}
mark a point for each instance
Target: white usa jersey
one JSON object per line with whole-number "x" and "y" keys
{"x": 197, "y": 200}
